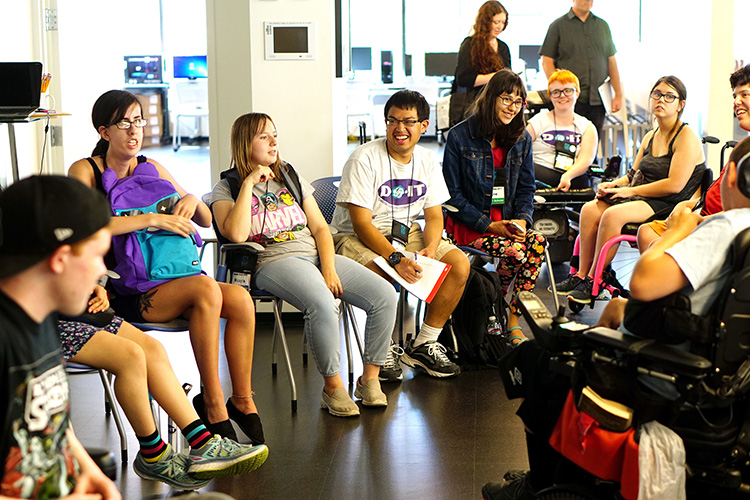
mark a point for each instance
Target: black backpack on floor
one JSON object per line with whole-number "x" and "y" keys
{"x": 466, "y": 331}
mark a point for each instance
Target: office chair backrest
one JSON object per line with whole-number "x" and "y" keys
{"x": 326, "y": 189}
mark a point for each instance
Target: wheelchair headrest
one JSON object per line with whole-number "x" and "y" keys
{"x": 743, "y": 175}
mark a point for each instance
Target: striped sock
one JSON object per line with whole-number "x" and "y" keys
{"x": 196, "y": 434}
{"x": 152, "y": 447}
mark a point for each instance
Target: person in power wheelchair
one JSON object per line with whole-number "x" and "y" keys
{"x": 705, "y": 402}
{"x": 668, "y": 169}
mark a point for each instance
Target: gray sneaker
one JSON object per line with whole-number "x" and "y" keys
{"x": 340, "y": 404}
{"x": 391, "y": 370}
{"x": 431, "y": 357}
{"x": 567, "y": 285}
{"x": 171, "y": 469}
{"x": 370, "y": 393}
{"x": 222, "y": 457}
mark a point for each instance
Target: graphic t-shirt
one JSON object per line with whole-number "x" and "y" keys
{"x": 278, "y": 221}
{"x": 547, "y": 133}
{"x": 34, "y": 408}
{"x": 392, "y": 190}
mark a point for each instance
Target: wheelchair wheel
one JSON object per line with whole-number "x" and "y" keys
{"x": 575, "y": 307}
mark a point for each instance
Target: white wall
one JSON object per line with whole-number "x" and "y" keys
{"x": 298, "y": 95}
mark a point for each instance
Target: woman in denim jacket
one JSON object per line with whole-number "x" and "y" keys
{"x": 489, "y": 170}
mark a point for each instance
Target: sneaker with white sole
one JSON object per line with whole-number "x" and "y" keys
{"x": 567, "y": 285}
{"x": 171, "y": 468}
{"x": 340, "y": 404}
{"x": 430, "y": 356}
{"x": 391, "y": 370}
{"x": 370, "y": 393}
{"x": 222, "y": 457}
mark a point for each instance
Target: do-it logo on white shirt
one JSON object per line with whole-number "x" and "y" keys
{"x": 402, "y": 192}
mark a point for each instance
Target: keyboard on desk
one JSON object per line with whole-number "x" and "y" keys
{"x": 572, "y": 195}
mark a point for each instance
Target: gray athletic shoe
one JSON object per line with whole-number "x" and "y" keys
{"x": 567, "y": 285}
{"x": 391, "y": 370}
{"x": 222, "y": 457}
{"x": 171, "y": 469}
{"x": 431, "y": 357}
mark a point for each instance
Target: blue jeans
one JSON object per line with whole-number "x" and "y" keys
{"x": 298, "y": 281}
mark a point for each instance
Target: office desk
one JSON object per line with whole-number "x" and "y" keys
{"x": 12, "y": 135}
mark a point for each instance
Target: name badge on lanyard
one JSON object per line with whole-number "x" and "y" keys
{"x": 399, "y": 235}
{"x": 498, "y": 188}
{"x": 565, "y": 155}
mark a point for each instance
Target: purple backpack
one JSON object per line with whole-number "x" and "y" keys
{"x": 151, "y": 256}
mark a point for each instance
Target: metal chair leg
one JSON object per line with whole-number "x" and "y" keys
{"x": 110, "y": 398}
{"x": 282, "y": 336}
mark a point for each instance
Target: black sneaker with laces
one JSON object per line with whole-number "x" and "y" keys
{"x": 431, "y": 357}
{"x": 391, "y": 370}
{"x": 567, "y": 285}
{"x": 582, "y": 292}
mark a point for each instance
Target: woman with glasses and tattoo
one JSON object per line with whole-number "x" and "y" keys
{"x": 118, "y": 118}
{"x": 489, "y": 170}
{"x": 480, "y": 56}
{"x": 564, "y": 142}
{"x": 668, "y": 169}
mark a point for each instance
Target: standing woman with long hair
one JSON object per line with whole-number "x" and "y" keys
{"x": 489, "y": 170}
{"x": 481, "y": 55}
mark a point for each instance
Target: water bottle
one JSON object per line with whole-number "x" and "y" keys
{"x": 493, "y": 326}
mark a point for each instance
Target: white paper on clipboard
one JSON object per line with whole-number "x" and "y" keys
{"x": 605, "y": 92}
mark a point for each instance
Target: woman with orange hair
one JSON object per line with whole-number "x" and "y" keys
{"x": 481, "y": 55}
{"x": 564, "y": 142}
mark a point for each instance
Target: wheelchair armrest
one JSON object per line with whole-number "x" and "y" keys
{"x": 246, "y": 244}
{"x": 666, "y": 356}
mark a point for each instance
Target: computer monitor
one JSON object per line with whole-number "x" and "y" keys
{"x": 530, "y": 54}
{"x": 440, "y": 63}
{"x": 361, "y": 58}
{"x": 142, "y": 69}
{"x": 191, "y": 67}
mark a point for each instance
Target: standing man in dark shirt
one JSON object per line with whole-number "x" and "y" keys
{"x": 582, "y": 43}
{"x": 53, "y": 238}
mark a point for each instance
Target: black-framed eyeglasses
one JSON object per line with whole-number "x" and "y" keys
{"x": 409, "y": 122}
{"x": 558, "y": 92}
{"x": 656, "y": 95}
{"x": 125, "y": 124}
{"x": 509, "y": 101}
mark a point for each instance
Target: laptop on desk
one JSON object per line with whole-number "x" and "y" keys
{"x": 20, "y": 89}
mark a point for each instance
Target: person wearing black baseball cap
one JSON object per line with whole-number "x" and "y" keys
{"x": 53, "y": 237}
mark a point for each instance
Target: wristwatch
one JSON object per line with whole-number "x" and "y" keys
{"x": 395, "y": 258}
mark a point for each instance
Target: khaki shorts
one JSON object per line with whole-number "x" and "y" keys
{"x": 350, "y": 246}
{"x": 658, "y": 226}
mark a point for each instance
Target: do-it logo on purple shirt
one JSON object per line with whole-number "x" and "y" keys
{"x": 400, "y": 192}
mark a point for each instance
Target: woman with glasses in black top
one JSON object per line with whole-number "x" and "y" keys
{"x": 668, "y": 169}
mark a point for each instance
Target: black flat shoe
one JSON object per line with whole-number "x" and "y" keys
{"x": 223, "y": 428}
{"x": 249, "y": 423}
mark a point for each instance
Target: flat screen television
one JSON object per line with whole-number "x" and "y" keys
{"x": 440, "y": 63}
{"x": 361, "y": 58}
{"x": 289, "y": 40}
{"x": 191, "y": 67}
{"x": 142, "y": 69}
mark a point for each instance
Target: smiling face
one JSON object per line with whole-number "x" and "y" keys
{"x": 741, "y": 94}
{"x": 563, "y": 102}
{"x": 506, "y": 112}
{"x": 402, "y": 138}
{"x": 125, "y": 142}
{"x": 265, "y": 146}
{"x": 498, "y": 24}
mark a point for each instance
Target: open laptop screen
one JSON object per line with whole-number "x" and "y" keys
{"x": 20, "y": 84}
